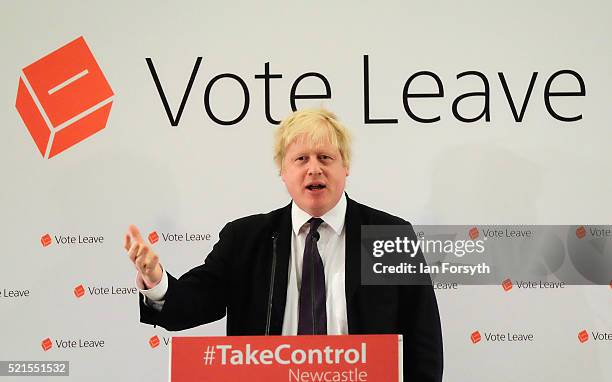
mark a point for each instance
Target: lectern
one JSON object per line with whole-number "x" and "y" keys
{"x": 347, "y": 358}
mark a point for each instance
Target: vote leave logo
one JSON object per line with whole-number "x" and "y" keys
{"x": 583, "y": 336}
{"x": 46, "y": 344}
{"x": 79, "y": 291}
{"x": 63, "y": 98}
{"x": 154, "y": 342}
{"x": 475, "y": 337}
{"x": 474, "y": 233}
{"x": 153, "y": 237}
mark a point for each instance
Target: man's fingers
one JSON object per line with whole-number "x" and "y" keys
{"x": 133, "y": 252}
{"x": 146, "y": 260}
{"x": 142, "y": 256}
{"x": 135, "y": 234}
{"x": 127, "y": 242}
{"x": 143, "y": 251}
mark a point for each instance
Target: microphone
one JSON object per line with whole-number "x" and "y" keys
{"x": 272, "y": 273}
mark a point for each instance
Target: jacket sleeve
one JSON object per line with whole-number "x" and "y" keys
{"x": 421, "y": 329}
{"x": 422, "y": 335}
{"x": 200, "y": 295}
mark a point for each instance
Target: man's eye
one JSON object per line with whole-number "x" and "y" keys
{"x": 300, "y": 158}
{"x": 325, "y": 157}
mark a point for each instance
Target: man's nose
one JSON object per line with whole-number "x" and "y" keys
{"x": 314, "y": 167}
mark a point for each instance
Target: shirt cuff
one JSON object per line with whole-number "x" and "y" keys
{"x": 153, "y": 297}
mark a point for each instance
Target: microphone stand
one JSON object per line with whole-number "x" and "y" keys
{"x": 271, "y": 292}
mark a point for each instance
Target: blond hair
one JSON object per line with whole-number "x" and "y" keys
{"x": 317, "y": 126}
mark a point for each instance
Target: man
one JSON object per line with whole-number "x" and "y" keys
{"x": 296, "y": 270}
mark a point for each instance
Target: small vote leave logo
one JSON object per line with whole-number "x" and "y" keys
{"x": 507, "y": 284}
{"x": 153, "y": 237}
{"x": 79, "y": 291}
{"x": 583, "y": 336}
{"x": 154, "y": 342}
{"x": 580, "y": 232}
{"x": 46, "y": 344}
{"x": 475, "y": 337}
{"x": 63, "y": 98}
{"x": 45, "y": 240}
{"x": 474, "y": 233}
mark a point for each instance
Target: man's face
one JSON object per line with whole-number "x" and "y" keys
{"x": 315, "y": 176}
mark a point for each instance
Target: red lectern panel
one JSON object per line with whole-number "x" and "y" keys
{"x": 354, "y": 358}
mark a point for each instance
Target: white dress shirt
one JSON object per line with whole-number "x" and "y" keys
{"x": 331, "y": 246}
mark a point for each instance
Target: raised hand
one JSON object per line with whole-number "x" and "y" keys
{"x": 143, "y": 257}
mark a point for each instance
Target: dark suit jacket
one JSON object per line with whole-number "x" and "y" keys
{"x": 235, "y": 281}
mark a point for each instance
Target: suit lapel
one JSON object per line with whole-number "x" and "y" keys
{"x": 352, "y": 259}
{"x": 282, "y": 228}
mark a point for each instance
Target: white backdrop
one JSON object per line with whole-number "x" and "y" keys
{"x": 198, "y": 175}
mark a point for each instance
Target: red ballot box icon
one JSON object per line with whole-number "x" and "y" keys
{"x": 153, "y": 237}
{"x": 45, "y": 240}
{"x": 583, "y": 336}
{"x": 507, "y": 284}
{"x": 475, "y": 337}
{"x": 63, "y": 98}
{"x": 154, "y": 342}
{"x": 79, "y": 291}
{"x": 474, "y": 233}
{"x": 46, "y": 344}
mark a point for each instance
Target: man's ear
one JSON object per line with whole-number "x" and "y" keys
{"x": 347, "y": 171}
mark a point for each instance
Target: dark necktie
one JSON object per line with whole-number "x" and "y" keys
{"x": 313, "y": 317}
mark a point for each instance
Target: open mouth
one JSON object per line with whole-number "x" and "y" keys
{"x": 315, "y": 186}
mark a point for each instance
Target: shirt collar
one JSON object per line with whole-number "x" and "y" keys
{"x": 334, "y": 217}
